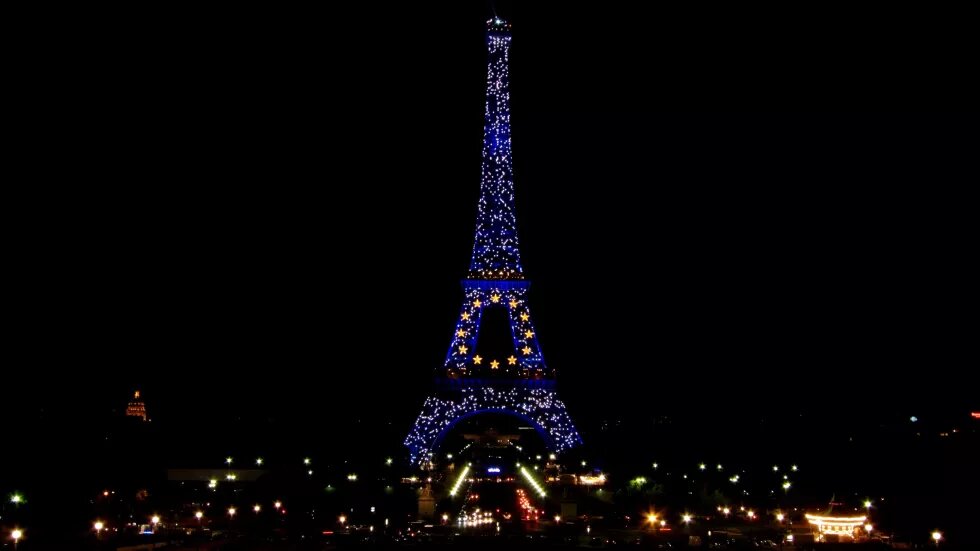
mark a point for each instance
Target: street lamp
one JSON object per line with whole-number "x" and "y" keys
{"x": 16, "y": 535}
{"x": 687, "y": 519}
{"x": 259, "y": 461}
{"x": 277, "y": 505}
{"x": 228, "y": 460}
{"x": 199, "y": 515}
{"x": 726, "y": 511}
{"x": 780, "y": 517}
{"x": 868, "y": 528}
{"x": 16, "y": 499}
{"x": 867, "y": 504}
{"x": 342, "y": 519}
{"x": 937, "y": 536}
{"x": 98, "y": 528}
{"x": 232, "y": 511}
{"x": 257, "y": 508}
{"x": 154, "y": 520}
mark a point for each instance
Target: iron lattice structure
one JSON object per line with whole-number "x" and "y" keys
{"x": 494, "y": 363}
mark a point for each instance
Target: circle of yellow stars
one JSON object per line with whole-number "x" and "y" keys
{"x": 494, "y": 364}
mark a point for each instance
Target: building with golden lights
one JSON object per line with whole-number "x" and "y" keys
{"x": 837, "y": 528}
{"x": 136, "y": 407}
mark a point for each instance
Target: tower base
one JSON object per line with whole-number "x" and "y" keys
{"x": 537, "y": 405}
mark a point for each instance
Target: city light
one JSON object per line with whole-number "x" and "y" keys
{"x": 750, "y": 514}
{"x": 588, "y": 480}
{"x": 687, "y": 519}
{"x": 780, "y": 517}
{"x": 259, "y": 461}
{"x": 257, "y": 508}
{"x": 389, "y": 461}
{"x": 867, "y": 504}
{"x": 652, "y": 518}
{"x": 937, "y": 536}
{"x": 306, "y": 461}
{"x": 277, "y": 505}
{"x": 702, "y": 466}
{"x": 534, "y": 483}
{"x": 15, "y": 535}
{"x": 726, "y": 511}
{"x": 228, "y": 460}
{"x": 16, "y": 499}
{"x": 460, "y": 480}
{"x": 787, "y": 485}
{"x": 155, "y": 519}
{"x": 342, "y": 519}
{"x": 557, "y": 519}
{"x": 199, "y": 515}
{"x": 232, "y": 511}
{"x": 868, "y": 528}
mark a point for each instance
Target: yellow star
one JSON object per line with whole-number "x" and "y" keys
{"x": 460, "y": 333}
{"x": 477, "y": 303}
{"x": 513, "y": 303}
{"x": 477, "y": 360}
{"x": 527, "y": 334}
{"x": 494, "y": 298}
{"x": 526, "y": 350}
{"x": 511, "y": 360}
{"x": 494, "y": 364}
{"x": 463, "y": 349}
{"x": 524, "y": 316}
{"x": 466, "y": 316}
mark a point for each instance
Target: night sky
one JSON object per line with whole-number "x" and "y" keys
{"x": 250, "y": 216}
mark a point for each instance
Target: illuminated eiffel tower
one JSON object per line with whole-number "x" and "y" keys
{"x": 494, "y": 364}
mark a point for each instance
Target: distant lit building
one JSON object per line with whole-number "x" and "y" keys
{"x": 136, "y": 407}
{"x": 834, "y": 529}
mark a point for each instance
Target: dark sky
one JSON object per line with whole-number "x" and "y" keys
{"x": 716, "y": 208}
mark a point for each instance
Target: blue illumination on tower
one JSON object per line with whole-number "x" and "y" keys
{"x": 494, "y": 363}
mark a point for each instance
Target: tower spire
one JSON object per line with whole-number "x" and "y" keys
{"x": 495, "y": 248}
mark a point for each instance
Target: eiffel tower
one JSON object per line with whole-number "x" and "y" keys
{"x": 494, "y": 363}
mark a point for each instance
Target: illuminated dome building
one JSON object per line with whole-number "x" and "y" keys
{"x": 136, "y": 407}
